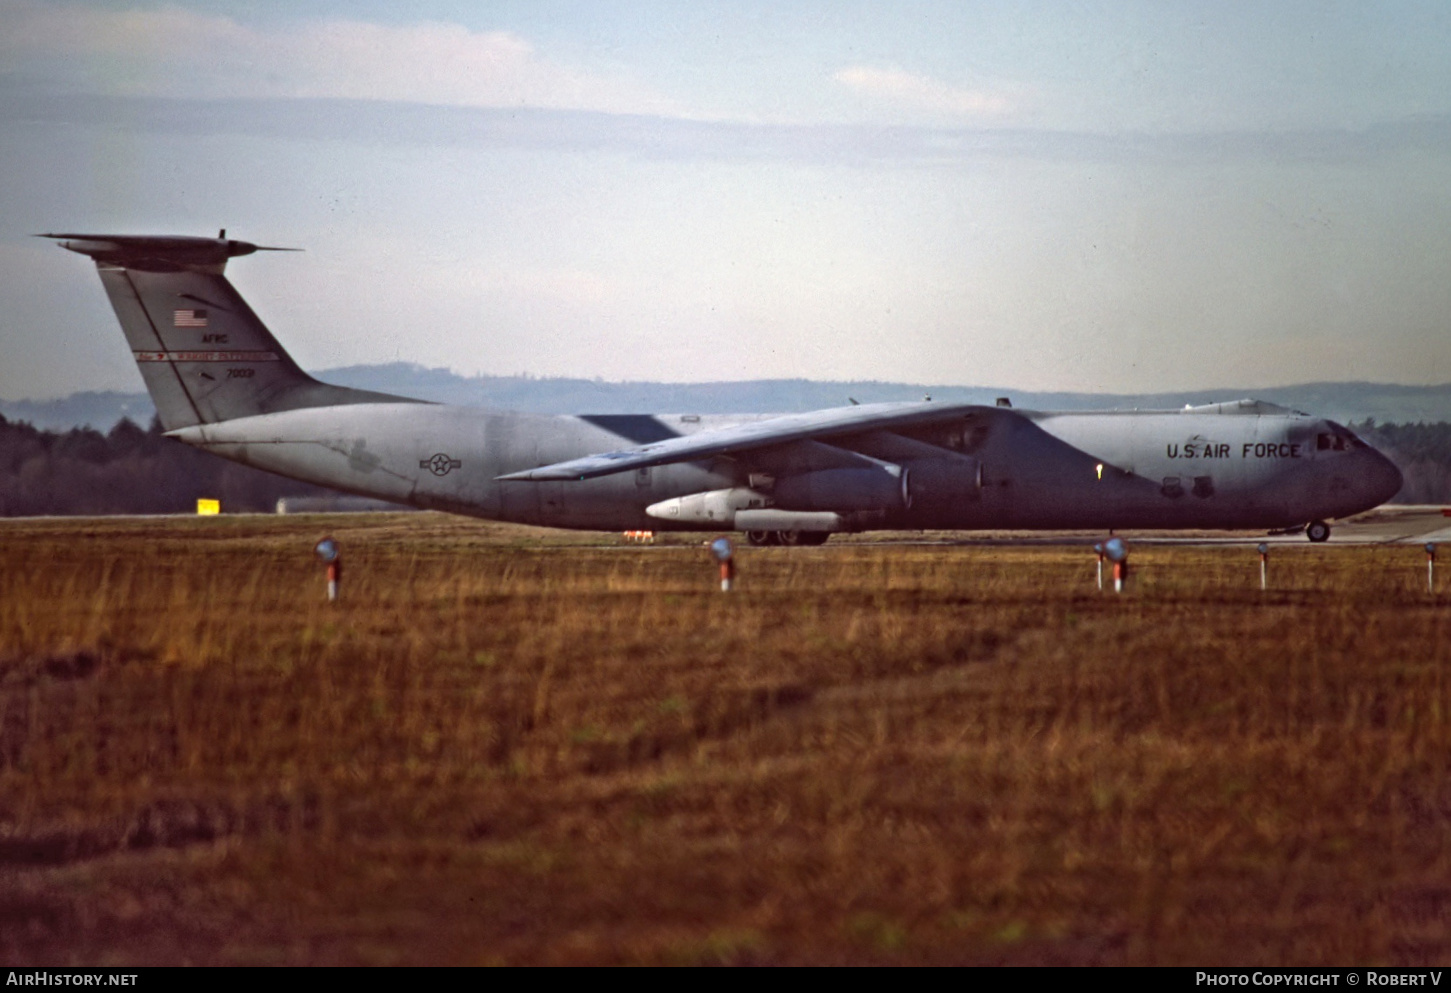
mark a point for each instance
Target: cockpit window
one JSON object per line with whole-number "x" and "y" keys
{"x": 1337, "y": 439}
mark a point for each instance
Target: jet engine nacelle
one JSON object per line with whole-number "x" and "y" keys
{"x": 745, "y": 510}
{"x": 713, "y": 507}
{"x": 941, "y": 481}
{"x": 844, "y": 490}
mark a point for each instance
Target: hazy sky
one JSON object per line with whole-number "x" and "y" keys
{"x": 1114, "y": 196}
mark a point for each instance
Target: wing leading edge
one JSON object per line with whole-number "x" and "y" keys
{"x": 781, "y": 430}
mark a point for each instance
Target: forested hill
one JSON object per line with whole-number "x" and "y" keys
{"x": 129, "y": 470}
{"x": 1423, "y": 452}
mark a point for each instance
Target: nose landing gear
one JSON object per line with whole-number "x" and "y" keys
{"x": 1317, "y": 531}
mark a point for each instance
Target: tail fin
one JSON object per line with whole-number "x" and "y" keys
{"x": 205, "y": 356}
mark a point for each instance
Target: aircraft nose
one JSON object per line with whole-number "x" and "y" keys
{"x": 1380, "y": 477}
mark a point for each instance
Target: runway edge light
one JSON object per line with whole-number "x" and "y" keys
{"x": 330, "y": 555}
{"x": 722, "y": 552}
{"x": 1117, "y": 551}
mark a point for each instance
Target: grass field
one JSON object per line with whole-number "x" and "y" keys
{"x": 506, "y": 746}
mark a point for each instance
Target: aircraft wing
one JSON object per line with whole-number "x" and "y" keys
{"x": 781, "y": 430}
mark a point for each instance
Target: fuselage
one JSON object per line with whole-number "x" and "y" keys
{"x": 1242, "y": 465}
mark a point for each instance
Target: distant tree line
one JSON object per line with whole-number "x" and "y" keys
{"x": 1423, "y": 453}
{"x": 130, "y": 470}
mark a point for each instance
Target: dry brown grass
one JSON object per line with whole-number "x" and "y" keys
{"x": 503, "y": 746}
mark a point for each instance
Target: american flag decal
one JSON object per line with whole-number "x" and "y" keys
{"x": 188, "y": 318}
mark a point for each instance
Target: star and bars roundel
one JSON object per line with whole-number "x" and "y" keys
{"x": 440, "y": 464}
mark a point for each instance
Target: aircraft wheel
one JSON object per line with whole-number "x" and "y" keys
{"x": 802, "y": 537}
{"x": 761, "y": 537}
{"x": 1317, "y": 531}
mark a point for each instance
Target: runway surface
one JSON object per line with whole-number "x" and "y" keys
{"x": 1397, "y": 525}
{"x": 1387, "y": 525}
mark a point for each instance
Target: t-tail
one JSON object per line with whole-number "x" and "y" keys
{"x": 205, "y": 356}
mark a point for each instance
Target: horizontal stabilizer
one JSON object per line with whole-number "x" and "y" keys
{"x": 160, "y": 253}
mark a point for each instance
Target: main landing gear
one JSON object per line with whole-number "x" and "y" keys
{"x": 1317, "y": 531}
{"x": 787, "y": 537}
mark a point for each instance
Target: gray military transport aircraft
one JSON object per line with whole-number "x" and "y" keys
{"x": 221, "y": 382}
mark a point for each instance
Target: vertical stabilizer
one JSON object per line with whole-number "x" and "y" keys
{"x": 204, "y": 355}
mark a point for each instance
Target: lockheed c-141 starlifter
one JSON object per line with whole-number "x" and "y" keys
{"x": 221, "y": 382}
